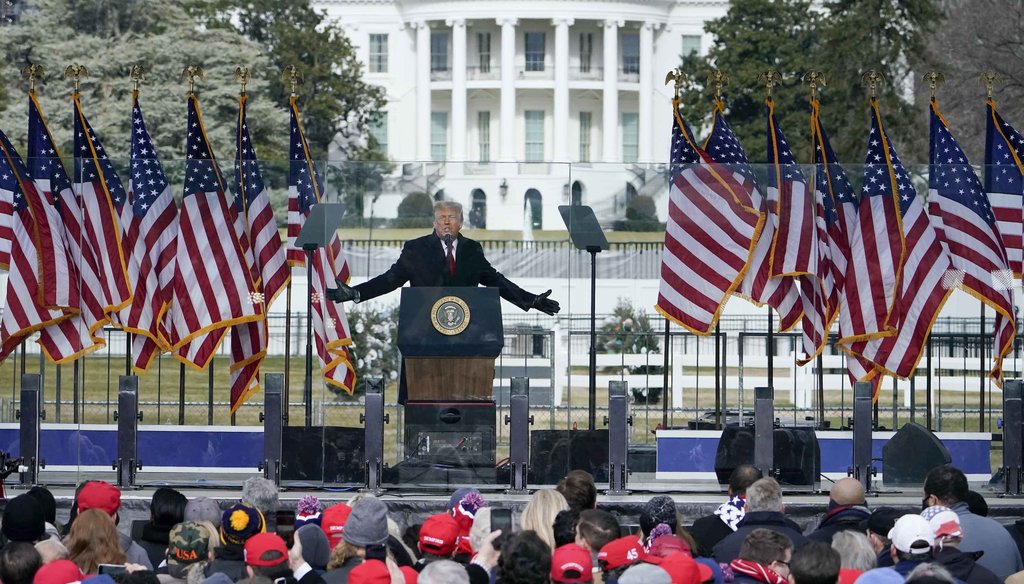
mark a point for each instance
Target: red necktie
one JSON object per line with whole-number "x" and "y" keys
{"x": 451, "y": 261}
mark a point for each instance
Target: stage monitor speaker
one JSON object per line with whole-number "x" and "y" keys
{"x": 553, "y": 453}
{"x": 331, "y": 454}
{"x": 796, "y": 454}
{"x": 457, "y": 434}
{"x": 910, "y": 454}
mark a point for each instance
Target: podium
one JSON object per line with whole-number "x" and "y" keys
{"x": 449, "y": 338}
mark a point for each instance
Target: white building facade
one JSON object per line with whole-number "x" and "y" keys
{"x": 515, "y": 107}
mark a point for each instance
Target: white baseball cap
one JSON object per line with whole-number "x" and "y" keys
{"x": 909, "y": 530}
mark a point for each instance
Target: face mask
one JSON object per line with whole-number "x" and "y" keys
{"x": 924, "y": 503}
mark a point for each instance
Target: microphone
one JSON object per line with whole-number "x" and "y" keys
{"x": 448, "y": 238}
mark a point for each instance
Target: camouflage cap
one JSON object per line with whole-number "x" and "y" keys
{"x": 189, "y": 542}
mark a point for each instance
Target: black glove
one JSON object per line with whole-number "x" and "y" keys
{"x": 544, "y": 304}
{"x": 343, "y": 293}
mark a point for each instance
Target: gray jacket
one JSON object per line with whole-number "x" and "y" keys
{"x": 982, "y": 534}
{"x": 135, "y": 553}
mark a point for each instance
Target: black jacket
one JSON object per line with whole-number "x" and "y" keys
{"x": 423, "y": 263}
{"x": 154, "y": 540}
{"x": 839, "y": 519}
{"x": 963, "y": 567}
{"x": 230, "y": 560}
{"x": 728, "y": 549}
{"x": 707, "y": 532}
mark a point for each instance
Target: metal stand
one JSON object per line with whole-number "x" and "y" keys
{"x": 1012, "y": 437}
{"x": 518, "y": 420}
{"x": 373, "y": 420}
{"x": 28, "y": 418}
{"x": 764, "y": 430}
{"x": 273, "y": 418}
{"x": 127, "y": 417}
{"x": 618, "y": 421}
{"x": 863, "y": 470}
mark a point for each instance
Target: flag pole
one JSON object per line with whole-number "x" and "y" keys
{"x": 676, "y": 77}
{"x": 292, "y": 75}
{"x": 770, "y": 78}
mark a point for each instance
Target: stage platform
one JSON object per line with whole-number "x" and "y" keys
{"x": 411, "y": 505}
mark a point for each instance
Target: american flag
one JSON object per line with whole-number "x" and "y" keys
{"x": 876, "y": 247}
{"x": 256, "y": 224}
{"x": 758, "y": 286}
{"x": 330, "y": 325}
{"x": 969, "y": 233}
{"x": 23, "y": 313}
{"x": 102, "y": 196}
{"x": 709, "y": 236}
{"x": 798, "y": 240}
{"x": 1004, "y": 183}
{"x": 924, "y": 279}
{"x": 76, "y": 280}
{"x": 213, "y": 284}
{"x": 150, "y": 223}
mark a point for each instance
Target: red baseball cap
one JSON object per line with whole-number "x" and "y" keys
{"x": 260, "y": 544}
{"x": 58, "y": 572}
{"x": 410, "y": 573}
{"x": 439, "y": 535}
{"x": 571, "y": 563}
{"x": 682, "y": 568}
{"x": 332, "y": 521}
{"x": 370, "y": 572}
{"x": 620, "y": 552}
{"x": 99, "y": 495}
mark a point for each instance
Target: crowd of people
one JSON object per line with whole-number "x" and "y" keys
{"x": 562, "y": 536}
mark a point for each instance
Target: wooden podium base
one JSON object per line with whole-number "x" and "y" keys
{"x": 450, "y": 378}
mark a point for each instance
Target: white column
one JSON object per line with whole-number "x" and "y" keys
{"x": 508, "y": 89}
{"x": 611, "y": 150}
{"x": 422, "y": 91}
{"x": 561, "y": 105}
{"x": 646, "y": 96}
{"x": 458, "y": 89}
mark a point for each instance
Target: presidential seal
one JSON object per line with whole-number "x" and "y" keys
{"x": 450, "y": 315}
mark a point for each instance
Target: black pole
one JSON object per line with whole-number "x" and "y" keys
{"x": 928, "y": 385}
{"x": 287, "y": 346}
{"x": 127, "y": 355}
{"x": 718, "y": 381}
{"x": 821, "y": 385}
{"x": 666, "y": 392}
{"x": 209, "y": 389}
{"x": 307, "y": 388}
{"x": 592, "y": 420}
{"x": 75, "y": 387}
{"x": 60, "y": 379}
{"x": 771, "y": 349}
{"x": 981, "y": 369}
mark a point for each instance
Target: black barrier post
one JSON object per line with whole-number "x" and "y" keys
{"x": 863, "y": 470}
{"x": 273, "y": 418}
{"x": 127, "y": 417}
{"x": 518, "y": 419}
{"x": 1012, "y": 438}
{"x": 618, "y": 422}
{"x": 373, "y": 420}
{"x": 764, "y": 430}
{"x": 28, "y": 420}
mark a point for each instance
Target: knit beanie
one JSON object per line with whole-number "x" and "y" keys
{"x": 316, "y": 550}
{"x": 660, "y": 509}
{"x": 45, "y": 498}
{"x": 203, "y": 509}
{"x": 368, "y": 523}
{"x": 239, "y": 523}
{"x": 307, "y": 511}
{"x": 23, "y": 519}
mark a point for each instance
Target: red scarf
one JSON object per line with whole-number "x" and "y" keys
{"x": 757, "y": 572}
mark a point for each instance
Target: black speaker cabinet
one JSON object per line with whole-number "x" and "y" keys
{"x": 330, "y": 454}
{"x": 796, "y": 453}
{"x": 910, "y": 454}
{"x": 553, "y": 453}
{"x": 457, "y": 434}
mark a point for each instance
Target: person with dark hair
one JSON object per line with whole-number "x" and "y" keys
{"x": 815, "y": 563}
{"x": 764, "y": 510}
{"x": 166, "y": 509}
{"x": 947, "y": 486}
{"x": 877, "y": 528}
{"x": 707, "y": 531}
{"x": 596, "y": 529}
{"x": 763, "y": 558}
{"x": 565, "y": 526}
{"x": 660, "y": 509}
{"x": 976, "y": 503}
{"x": 963, "y": 566}
{"x": 579, "y": 490}
{"x": 525, "y": 559}
{"x": 19, "y": 562}
{"x": 846, "y": 509}
{"x": 49, "y": 504}
{"x": 23, "y": 520}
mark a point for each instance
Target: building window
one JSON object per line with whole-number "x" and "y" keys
{"x": 379, "y": 131}
{"x": 439, "y": 51}
{"x": 438, "y": 136}
{"x": 483, "y": 49}
{"x": 585, "y": 136}
{"x": 691, "y": 44}
{"x": 534, "y": 135}
{"x": 630, "y": 137}
{"x": 586, "y": 51}
{"x": 534, "y": 51}
{"x": 631, "y": 53}
{"x": 378, "y": 53}
{"x": 483, "y": 132}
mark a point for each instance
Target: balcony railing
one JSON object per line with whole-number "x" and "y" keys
{"x": 441, "y": 75}
{"x": 629, "y": 74}
{"x": 546, "y": 74}
{"x": 588, "y": 73}
{"x": 483, "y": 73}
